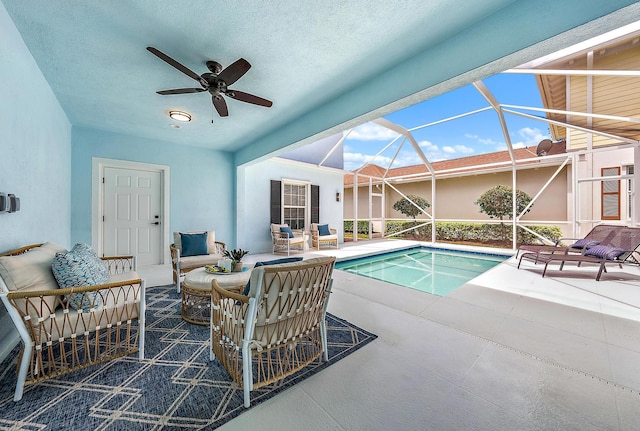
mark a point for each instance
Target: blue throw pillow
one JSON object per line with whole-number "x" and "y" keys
{"x": 194, "y": 244}
{"x": 604, "y": 251}
{"x": 323, "y": 230}
{"x": 287, "y": 230}
{"x": 582, "y": 243}
{"x": 245, "y": 292}
{"x": 80, "y": 266}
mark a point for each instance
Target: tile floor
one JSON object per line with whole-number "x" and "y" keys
{"x": 508, "y": 351}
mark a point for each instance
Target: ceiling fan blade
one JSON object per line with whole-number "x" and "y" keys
{"x": 249, "y": 98}
{"x": 190, "y": 73}
{"x": 234, "y": 71}
{"x": 181, "y": 91}
{"x": 220, "y": 105}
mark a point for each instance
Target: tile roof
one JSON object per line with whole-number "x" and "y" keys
{"x": 462, "y": 164}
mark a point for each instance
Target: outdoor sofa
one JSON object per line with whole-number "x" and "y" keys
{"x": 63, "y": 329}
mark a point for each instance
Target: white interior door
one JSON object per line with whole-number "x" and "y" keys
{"x": 132, "y": 223}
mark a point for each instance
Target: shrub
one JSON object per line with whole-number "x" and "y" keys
{"x": 406, "y": 207}
{"x": 363, "y": 226}
{"x": 472, "y": 232}
{"x": 498, "y": 202}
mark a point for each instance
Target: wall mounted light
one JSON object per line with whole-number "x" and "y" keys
{"x": 182, "y": 116}
{"x": 337, "y": 196}
{"x": 13, "y": 204}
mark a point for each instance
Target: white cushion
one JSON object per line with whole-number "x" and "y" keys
{"x": 211, "y": 240}
{"x": 199, "y": 261}
{"x": 31, "y": 271}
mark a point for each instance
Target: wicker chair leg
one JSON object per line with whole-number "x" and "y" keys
{"x": 22, "y": 373}
{"x": 247, "y": 375}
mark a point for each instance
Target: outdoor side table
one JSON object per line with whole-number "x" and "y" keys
{"x": 196, "y": 292}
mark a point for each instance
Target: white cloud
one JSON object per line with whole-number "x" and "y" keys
{"x": 470, "y": 136}
{"x": 371, "y": 132}
{"x": 428, "y": 146}
{"x": 532, "y": 136}
{"x": 356, "y": 160}
{"x": 463, "y": 149}
{"x": 448, "y": 149}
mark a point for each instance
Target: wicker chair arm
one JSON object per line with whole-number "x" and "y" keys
{"x": 20, "y": 250}
{"x": 221, "y": 293}
{"x": 21, "y": 294}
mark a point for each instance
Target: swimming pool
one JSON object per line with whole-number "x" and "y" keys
{"x": 431, "y": 270}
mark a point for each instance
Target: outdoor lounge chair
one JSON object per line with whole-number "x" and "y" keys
{"x": 286, "y": 239}
{"x": 620, "y": 246}
{"x": 64, "y": 329}
{"x": 599, "y": 234}
{"x": 278, "y": 328}
{"x": 323, "y": 235}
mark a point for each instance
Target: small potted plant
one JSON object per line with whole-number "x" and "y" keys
{"x": 236, "y": 256}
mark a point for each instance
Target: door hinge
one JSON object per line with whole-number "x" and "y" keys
{"x": 102, "y": 180}
{"x": 102, "y": 218}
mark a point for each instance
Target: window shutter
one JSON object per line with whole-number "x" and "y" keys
{"x": 610, "y": 195}
{"x": 315, "y": 204}
{"x": 276, "y": 197}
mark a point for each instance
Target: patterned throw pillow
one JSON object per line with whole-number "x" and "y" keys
{"x": 584, "y": 243}
{"x": 80, "y": 267}
{"x": 604, "y": 251}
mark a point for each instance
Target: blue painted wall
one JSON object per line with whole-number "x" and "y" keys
{"x": 35, "y": 148}
{"x": 35, "y": 157}
{"x": 201, "y": 186}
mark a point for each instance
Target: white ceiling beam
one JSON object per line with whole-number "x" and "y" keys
{"x": 577, "y": 72}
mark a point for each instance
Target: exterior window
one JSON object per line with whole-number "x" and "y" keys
{"x": 629, "y": 169}
{"x": 294, "y": 205}
{"x": 610, "y": 195}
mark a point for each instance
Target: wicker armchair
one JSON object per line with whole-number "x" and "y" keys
{"x": 278, "y": 328}
{"x": 183, "y": 264}
{"x": 322, "y": 238}
{"x": 283, "y": 242}
{"x": 57, "y": 337}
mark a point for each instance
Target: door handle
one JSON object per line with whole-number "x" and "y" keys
{"x": 156, "y": 222}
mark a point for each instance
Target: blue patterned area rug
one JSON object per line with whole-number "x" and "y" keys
{"x": 176, "y": 387}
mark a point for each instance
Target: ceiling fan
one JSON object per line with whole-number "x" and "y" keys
{"x": 216, "y": 82}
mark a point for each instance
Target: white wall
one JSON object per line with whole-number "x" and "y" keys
{"x": 253, "y": 198}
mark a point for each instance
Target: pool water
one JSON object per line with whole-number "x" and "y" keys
{"x": 430, "y": 270}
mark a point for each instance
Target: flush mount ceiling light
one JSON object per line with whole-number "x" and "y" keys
{"x": 185, "y": 117}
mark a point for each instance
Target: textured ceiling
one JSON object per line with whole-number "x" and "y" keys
{"x": 304, "y": 54}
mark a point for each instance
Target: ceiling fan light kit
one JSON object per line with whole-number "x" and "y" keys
{"x": 182, "y": 116}
{"x": 216, "y": 82}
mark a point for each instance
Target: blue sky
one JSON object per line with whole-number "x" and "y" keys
{"x": 475, "y": 134}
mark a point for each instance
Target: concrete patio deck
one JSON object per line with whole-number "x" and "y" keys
{"x": 508, "y": 351}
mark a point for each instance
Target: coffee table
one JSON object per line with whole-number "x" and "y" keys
{"x": 196, "y": 292}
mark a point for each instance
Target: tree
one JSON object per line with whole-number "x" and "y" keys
{"x": 498, "y": 202}
{"x": 407, "y": 208}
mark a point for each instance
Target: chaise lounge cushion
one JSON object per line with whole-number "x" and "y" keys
{"x": 31, "y": 271}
